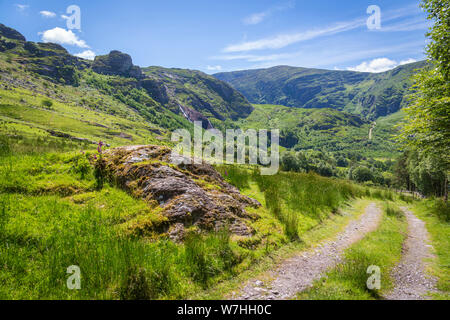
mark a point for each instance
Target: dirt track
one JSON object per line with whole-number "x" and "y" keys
{"x": 299, "y": 272}
{"x": 411, "y": 280}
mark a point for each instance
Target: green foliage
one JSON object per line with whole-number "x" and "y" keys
{"x": 5, "y": 147}
{"x": 428, "y": 117}
{"x": 361, "y": 174}
{"x": 427, "y": 129}
{"x": 418, "y": 171}
{"x": 81, "y": 165}
{"x": 439, "y": 208}
{"x": 439, "y": 47}
{"x": 100, "y": 172}
{"x": 47, "y": 103}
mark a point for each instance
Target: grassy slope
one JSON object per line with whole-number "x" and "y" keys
{"x": 82, "y": 111}
{"x": 213, "y": 98}
{"x": 326, "y": 129}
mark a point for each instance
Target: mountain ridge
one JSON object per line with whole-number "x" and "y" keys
{"x": 369, "y": 94}
{"x": 193, "y": 95}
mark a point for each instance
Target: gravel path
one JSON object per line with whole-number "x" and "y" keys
{"x": 411, "y": 281}
{"x": 298, "y": 273}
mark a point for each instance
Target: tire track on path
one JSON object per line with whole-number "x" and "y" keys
{"x": 411, "y": 282}
{"x": 298, "y": 273}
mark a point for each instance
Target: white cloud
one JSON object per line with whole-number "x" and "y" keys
{"x": 47, "y": 14}
{"x": 407, "y": 61}
{"x": 260, "y": 16}
{"x": 87, "y": 54}
{"x": 255, "y": 18}
{"x": 376, "y": 65}
{"x": 214, "y": 68}
{"x": 283, "y": 40}
{"x": 62, "y": 36}
{"x": 379, "y": 65}
{"x": 22, "y": 7}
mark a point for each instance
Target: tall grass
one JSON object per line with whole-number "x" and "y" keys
{"x": 30, "y": 145}
{"x": 406, "y": 198}
{"x": 439, "y": 208}
{"x": 392, "y": 210}
{"x": 235, "y": 175}
{"x": 291, "y": 196}
{"x": 382, "y": 194}
{"x": 45, "y": 235}
{"x": 208, "y": 256}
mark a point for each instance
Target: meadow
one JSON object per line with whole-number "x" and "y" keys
{"x": 53, "y": 215}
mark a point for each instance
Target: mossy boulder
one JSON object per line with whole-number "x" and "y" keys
{"x": 189, "y": 195}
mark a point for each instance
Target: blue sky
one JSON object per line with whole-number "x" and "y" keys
{"x": 214, "y": 36}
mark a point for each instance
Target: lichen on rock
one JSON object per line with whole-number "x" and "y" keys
{"x": 179, "y": 190}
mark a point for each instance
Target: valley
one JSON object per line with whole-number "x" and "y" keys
{"x": 87, "y": 179}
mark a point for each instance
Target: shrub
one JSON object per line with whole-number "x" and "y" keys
{"x": 47, "y": 103}
{"x": 81, "y": 165}
{"x": 100, "y": 172}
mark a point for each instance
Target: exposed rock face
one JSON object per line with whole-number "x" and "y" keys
{"x": 188, "y": 194}
{"x": 116, "y": 63}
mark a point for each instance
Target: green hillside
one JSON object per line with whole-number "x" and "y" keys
{"x": 45, "y": 91}
{"x": 325, "y": 129}
{"x": 367, "y": 94}
{"x": 198, "y": 94}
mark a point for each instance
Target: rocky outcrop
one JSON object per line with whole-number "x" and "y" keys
{"x": 188, "y": 195}
{"x": 116, "y": 63}
{"x": 10, "y": 33}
